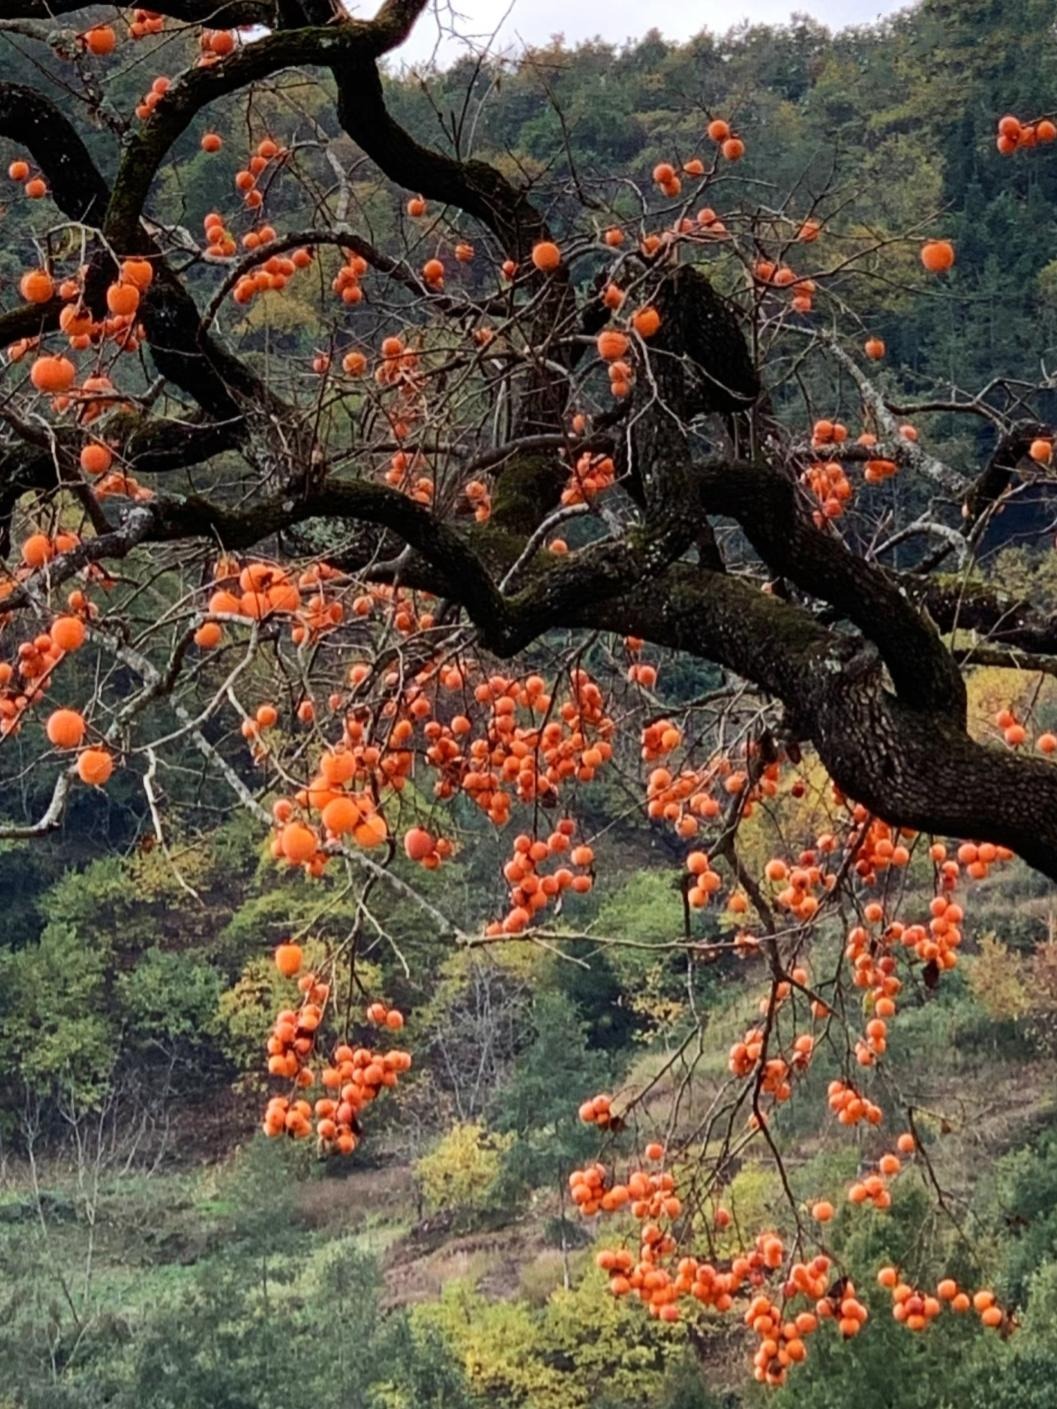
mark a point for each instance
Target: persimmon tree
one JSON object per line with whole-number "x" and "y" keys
{"x": 554, "y": 439}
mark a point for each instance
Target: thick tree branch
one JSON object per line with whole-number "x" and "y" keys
{"x": 1002, "y": 619}
{"x": 905, "y": 756}
{"x": 29, "y": 320}
{"x": 765, "y": 505}
{"x": 914, "y": 767}
{"x": 35, "y": 123}
{"x": 195, "y": 89}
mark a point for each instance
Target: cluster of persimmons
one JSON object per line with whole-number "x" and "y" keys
{"x": 1016, "y": 136}
{"x": 788, "y": 1299}
{"x": 351, "y": 1079}
{"x": 785, "y": 1300}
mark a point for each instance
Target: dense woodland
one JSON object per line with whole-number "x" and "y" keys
{"x": 155, "y": 1249}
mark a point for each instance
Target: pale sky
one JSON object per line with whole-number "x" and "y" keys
{"x": 534, "y": 21}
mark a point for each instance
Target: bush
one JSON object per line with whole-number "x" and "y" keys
{"x": 461, "y": 1173}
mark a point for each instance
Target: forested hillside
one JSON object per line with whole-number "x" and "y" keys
{"x": 156, "y": 1249}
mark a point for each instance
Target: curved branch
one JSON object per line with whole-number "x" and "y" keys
{"x": 395, "y": 269}
{"x": 458, "y": 569}
{"x": 483, "y": 193}
{"x": 35, "y": 123}
{"x": 197, "y": 88}
{"x": 913, "y": 767}
{"x": 764, "y": 504}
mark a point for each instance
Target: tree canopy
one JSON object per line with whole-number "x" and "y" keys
{"x": 421, "y": 475}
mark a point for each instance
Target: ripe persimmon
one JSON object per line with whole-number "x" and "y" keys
{"x": 122, "y": 299}
{"x": 298, "y": 843}
{"x": 96, "y": 458}
{"x": 546, "y": 256}
{"x": 418, "y": 844}
{"x": 341, "y": 815}
{"x": 37, "y": 549}
{"x": 65, "y": 728}
{"x": 288, "y": 958}
{"x": 646, "y": 321}
{"x": 937, "y": 256}
{"x": 67, "y": 633}
{"x": 138, "y": 272}
{"x": 100, "y": 40}
{"x": 53, "y": 374}
{"x": 612, "y": 344}
{"x": 37, "y": 286}
{"x": 94, "y": 767}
